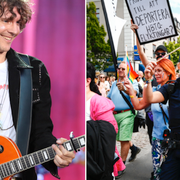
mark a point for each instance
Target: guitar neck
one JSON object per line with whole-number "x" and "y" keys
{"x": 39, "y": 157}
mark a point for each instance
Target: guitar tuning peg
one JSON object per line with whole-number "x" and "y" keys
{"x": 71, "y": 135}
{"x": 71, "y": 138}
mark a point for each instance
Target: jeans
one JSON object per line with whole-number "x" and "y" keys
{"x": 170, "y": 169}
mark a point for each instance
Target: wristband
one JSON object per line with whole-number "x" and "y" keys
{"x": 132, "y": 96}
{"x": 148, "y": 81}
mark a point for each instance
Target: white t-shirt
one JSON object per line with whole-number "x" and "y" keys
{"x": 88, "y": 113}
{"x": 141, "y": 82}
{"x": 6, "y": 120}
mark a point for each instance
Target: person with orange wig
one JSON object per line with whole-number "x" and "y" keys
{"x": 169, "y": 92}
{"x": 164, "y": 71}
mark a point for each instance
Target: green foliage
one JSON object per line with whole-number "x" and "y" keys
{"x": 172, "y": 46}
{"x": 98, "y": 51}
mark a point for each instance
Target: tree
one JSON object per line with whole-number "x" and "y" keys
{"x": 98, "y": 51}
{"x": 172, "y": 46}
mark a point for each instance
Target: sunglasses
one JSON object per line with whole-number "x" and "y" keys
{"x": 102, "y": 77}
{"x": 120, "y": 69}
{"x": 158, "y": 54}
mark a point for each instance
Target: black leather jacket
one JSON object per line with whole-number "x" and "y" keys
{"x": 41, "y": 128}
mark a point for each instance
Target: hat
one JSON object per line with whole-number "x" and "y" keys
{"x": 161, "y": 47}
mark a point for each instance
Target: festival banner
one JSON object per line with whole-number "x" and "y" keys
{"x": 114, "y": 26}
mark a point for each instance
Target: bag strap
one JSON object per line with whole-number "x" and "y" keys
{"x": 164, "y": 114}
{"x": 25, "y": 107}
{"x": 127, "y": 101}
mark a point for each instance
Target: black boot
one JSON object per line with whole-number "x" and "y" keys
{"x": 134, "y": 151}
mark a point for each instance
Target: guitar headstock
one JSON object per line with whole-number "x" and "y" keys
{"x": 74, "y": 144}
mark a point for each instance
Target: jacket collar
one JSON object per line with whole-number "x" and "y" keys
{"x": 16, "y": 60}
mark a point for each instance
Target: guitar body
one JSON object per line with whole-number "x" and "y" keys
{"x": 8, "y": 151}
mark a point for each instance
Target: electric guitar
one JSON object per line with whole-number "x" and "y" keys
{"x": 12, "y": 162}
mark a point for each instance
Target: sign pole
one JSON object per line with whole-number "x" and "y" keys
{"x": 110, "y": 37}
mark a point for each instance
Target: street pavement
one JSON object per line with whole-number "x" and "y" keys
{"x": 141, "y": 167}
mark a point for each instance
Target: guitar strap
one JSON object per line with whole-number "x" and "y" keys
{"x": 25, "y": 107}
{"x": 127, "y": 101}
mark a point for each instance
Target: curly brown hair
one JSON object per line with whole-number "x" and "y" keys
{"x": 23, "y": 9}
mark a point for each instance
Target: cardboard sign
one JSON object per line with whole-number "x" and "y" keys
{"x": 154, "y": 18}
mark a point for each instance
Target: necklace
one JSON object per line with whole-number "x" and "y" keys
{"x": 2, "y": 103}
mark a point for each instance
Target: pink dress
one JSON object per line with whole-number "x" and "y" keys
{"x": 101, "y": 108}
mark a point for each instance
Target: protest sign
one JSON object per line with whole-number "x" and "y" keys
{"x": 154, "y": 18}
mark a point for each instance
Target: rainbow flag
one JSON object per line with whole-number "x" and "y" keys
{"x": 131, "y": 74}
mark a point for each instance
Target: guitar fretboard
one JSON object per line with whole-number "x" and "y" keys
{"x": 39, "y": 157}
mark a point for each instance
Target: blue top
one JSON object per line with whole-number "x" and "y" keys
{"x": 116, "y": 97}
{"x": 174, "y": 105}
{"x": 158, "y": 120}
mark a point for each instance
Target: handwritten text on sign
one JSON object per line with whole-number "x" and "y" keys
{"x": 153, "y": 18}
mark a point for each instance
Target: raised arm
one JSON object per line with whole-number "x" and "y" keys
{"x": 139, "y": 47}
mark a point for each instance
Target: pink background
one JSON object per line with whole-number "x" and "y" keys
{"x": 56, "y": 36}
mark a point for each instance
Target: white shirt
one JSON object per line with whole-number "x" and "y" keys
{"x": 141, "y": 82}
{"x": 88, "y": 112}
{"x": 6, "y": 120}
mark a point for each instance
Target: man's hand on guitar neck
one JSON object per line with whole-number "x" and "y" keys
{"x": 63, "y": 157}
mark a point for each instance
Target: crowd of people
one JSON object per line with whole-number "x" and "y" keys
{"x": 152, "y": 98}
{"x": 104, "y": 83}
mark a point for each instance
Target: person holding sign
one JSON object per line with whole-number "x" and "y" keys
{"x": 159, "y": 52}
{"x": 169, "y": 92}
{"x": 164, "y": 72}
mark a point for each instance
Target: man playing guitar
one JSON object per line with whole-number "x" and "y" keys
{"x": 14, "y": 14}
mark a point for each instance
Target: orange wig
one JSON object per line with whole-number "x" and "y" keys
{"x": 168, "y": 66}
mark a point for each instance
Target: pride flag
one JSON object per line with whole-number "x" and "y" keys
{"x": 131, "y": 74}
